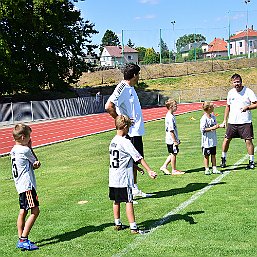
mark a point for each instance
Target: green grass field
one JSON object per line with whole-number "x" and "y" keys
{"x": 184, "y": 218}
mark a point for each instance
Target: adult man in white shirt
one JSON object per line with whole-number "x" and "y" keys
{"x": 240, "y": 101}
{"x": 124, "y": 100}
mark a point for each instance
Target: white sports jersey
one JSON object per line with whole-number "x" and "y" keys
{"x": 122, "y": 154}
{"x": 127, "y": 103}
{"x": 22, "y": 168}
{"x": 236, "y": 101}
{"x": 209, "y": 138}
{"x": 170, "y": 125}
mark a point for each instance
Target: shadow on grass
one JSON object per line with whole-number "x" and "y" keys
{"x": 191, "y": 187}
{"x": 67, "y": 236}
{"x": 187, "y": 217}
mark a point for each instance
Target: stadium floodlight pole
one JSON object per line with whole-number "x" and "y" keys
{"x": 160, "y": 46}
{"x": 173, "y": 25}
{"x": 247, "y": 30}
{"x": 229, "y": 35}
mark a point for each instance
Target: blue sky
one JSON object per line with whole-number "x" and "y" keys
{"x": 143, "y": 21}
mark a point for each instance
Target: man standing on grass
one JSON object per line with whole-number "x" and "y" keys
{"x": 240, "y": 101}
{"x": 124, "y": 100}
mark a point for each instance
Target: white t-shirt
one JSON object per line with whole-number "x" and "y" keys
{"x": 236, "y": 101}
{"x": 22, "y": 168}
{"x": 170, "y": 125}
{"x": 122, "y": 154}
{"x": 127, "y": 103}
{"x": 209, "y": 138}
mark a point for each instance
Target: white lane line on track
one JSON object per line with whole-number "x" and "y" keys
{"x": 140, "y": 238}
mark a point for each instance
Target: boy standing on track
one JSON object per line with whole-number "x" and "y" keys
{"x": 124, "y": 100}
{"x": 208, "y": 126}
{"x": 121, "y": 179}
{"x": 172, "y": 139}
{"x": 24, "y": 161}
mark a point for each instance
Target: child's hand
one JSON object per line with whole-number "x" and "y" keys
{"x": 222, "y": 125}
{"x": 36, "y": 164}
{"x": 152, "y": 174}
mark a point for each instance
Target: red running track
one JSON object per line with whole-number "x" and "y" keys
{"x": 54, "y": 131}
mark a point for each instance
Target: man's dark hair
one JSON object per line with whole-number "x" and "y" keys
{"x": 236, "y": 76}
{"x": 130, "y": 70}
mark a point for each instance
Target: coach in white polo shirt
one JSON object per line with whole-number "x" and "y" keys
{"x": 124, "y": 100}
{"x": 240, "y": 101}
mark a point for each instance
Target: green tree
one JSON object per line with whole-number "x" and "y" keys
{"x": 164, "y": 49}
{"x": 150, "y": 56}
{"x": 130, "y": 44}
{"x": 141, "y": 53}
{"x": 187, "y": 39}
{"x": 109, "y": 39}
{"x": 196, "y": 53}
{"x": 42, "y": 45}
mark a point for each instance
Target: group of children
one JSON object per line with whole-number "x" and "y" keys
{"x": 123, "y": 155}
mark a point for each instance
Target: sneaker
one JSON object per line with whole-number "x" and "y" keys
{"x": 223, "y": 162}
{"x": 165, "y": 170}
{"x": 137, "y": 231}
{"x": 250, "y": 166}
{"x": 27, "y": 245}
{"x": 139, "y": 193}
{"x": 177, "y": 172}
{"x": 120, "y": 227}
{"x": 207, "y": 172}
{"x": 216, "y": 172}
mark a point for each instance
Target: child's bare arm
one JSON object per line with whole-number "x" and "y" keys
{"x": 151, "y": 173}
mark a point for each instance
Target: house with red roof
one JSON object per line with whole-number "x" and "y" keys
{"x": 217, "y": 48}
{"x": 114, "y": 56}
{"x": 238, "y": 42}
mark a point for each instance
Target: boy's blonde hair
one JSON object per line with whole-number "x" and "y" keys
{"x": 169, "y": 103}
{"x": 122, "y": 121}
{"x": 206, "y": 105}
{"x": 20, "y": 130}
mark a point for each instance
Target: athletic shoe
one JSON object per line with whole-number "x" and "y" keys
{"x": 139, "y": 193}
{"x": 216, "y": 171}
{"x": 223, "y": 162}
{"x": 27, "y": 245}
{"x": 207, "y": 172}
{"x": 177, "y": 172}
{"x": 165, "y": 170}
{"x": 137, "y": 231}
{"x": 120, "y": 227}
{"x": 250, "y": 166}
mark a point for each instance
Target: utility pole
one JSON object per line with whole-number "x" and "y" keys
{"x": 247, "y": 30}
{"x": 173, "y": 25}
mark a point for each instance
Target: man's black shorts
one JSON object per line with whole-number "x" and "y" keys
{"x": 137, "y": 141}
{"x": 243, "y": 131}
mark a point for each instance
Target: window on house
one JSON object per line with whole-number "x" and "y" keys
{"x": 240, "y": 44}
{"x": 231, "y": 46}
{"x": 250, "y": 43}
{"x": 130, "y": 57}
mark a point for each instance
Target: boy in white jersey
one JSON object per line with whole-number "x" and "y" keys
{"x": 121, "y": 179}
{"x": 172, "y": 139}
{"x": 240, "y": 101}
{"x": 24, "y": 161}
{"x": 208, "y": 126}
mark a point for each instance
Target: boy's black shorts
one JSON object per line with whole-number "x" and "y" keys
{"x": 122, "y": 194}
{"x": 28, "y": 199}
{"x": 209, "y": 151}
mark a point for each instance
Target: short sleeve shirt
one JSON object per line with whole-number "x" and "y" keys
{"x": 22, "y": 168}
{"x": 122, "y": 154}
{"x": 236, "y": 101}
{"x": 209, "y": 138}
{"x": 127, "y": 103}
{"x": 170, "y": 125}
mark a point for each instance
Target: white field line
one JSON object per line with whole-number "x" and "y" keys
{"x": 139, "y": 239}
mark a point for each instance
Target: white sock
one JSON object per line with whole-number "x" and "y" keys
{"x": 224, "y": 154}
{"x": 117, "y": 222}
{"x": 251, "y": 158}
{"x": 214, "y": 168}
{"x": 206, "y": 169}
{"x": 133, "y": 225}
